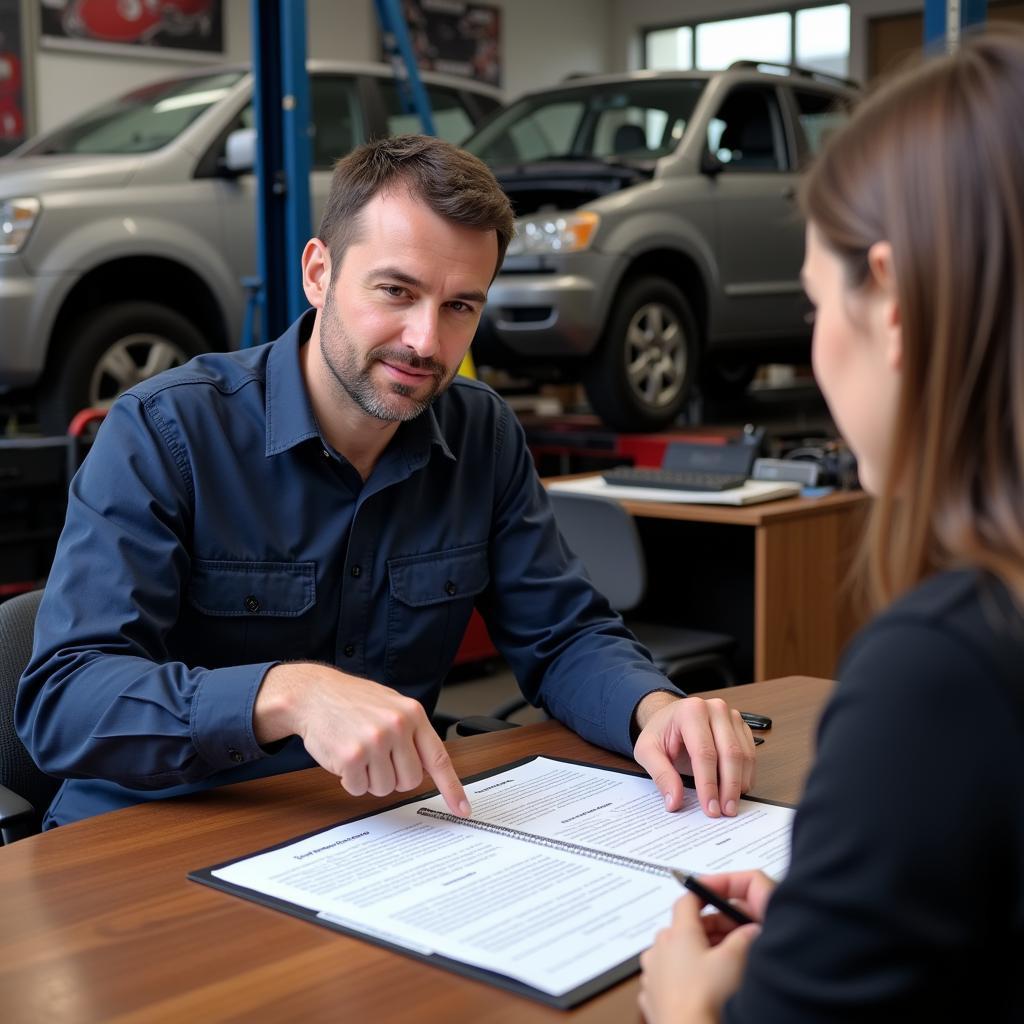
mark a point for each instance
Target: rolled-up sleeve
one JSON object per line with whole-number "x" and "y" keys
{"x": 570, "y": 651}
{"x": 101, "y": 697}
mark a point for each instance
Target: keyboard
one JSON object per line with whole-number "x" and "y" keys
{"x": 672, "y": 479}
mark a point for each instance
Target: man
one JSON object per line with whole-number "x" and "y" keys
{"x": 270, "y": 556}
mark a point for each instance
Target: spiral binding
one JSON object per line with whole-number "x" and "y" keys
{"x": 554, "y": 844}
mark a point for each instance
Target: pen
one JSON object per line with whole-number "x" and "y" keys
{"x": 756, "y": 721}
{"x": 702, "y": 892}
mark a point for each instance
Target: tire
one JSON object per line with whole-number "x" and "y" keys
{"x": 114, "y": 347}
{"x": 642, "y": 374}
{"x": 727, "y": 377}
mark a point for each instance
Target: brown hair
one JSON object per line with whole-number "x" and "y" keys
{"x": 452, "y": 182}
{"x": 933, "y": 163}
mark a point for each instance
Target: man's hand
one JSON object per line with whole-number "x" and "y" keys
{"x": 703, "y": 738}
{"x": 374, "y": 739}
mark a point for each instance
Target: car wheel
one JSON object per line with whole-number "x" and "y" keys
{"x": 726, "y": 377}
{"x": 641, "y": 376}
{"x": 115, "y": 348}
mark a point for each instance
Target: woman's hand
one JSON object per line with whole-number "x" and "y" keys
{"x": 697, "y": 963}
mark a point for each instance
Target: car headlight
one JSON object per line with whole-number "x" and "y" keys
{"x": 17, "y": 218}
{"x": 550, "y": 233}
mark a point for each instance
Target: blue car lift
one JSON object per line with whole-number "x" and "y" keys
{"x": 944, "y": 20}
{"x": 284, "y": 151}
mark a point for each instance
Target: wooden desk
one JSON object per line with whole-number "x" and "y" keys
{"x": 774, "y": 575}
{"x": 99, "y": 922}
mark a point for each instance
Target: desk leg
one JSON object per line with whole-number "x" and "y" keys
{"x": 804, "y": 607}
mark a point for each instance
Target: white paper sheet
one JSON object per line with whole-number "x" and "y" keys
{"x": 546, "y": 916}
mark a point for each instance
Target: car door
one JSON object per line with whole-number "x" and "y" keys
{"x": 337, "y": 127}
{"x": 760, "y": 232}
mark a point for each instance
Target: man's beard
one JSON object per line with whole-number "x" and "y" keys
{"x": 395, "y": 401}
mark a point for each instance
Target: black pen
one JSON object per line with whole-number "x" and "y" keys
{"x": 703, "y": 893}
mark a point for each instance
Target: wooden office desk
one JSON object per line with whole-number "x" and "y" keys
{"x": 774, "y": 575}
{"x": 99, "y": 922}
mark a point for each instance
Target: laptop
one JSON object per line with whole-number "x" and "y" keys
{"x": 691, "y": 467}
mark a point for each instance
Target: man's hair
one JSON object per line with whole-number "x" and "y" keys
{"x": 451, "y": 182}
{"x": 933, "y": 163}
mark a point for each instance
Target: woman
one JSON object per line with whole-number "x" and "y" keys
{"x": 906, "y": 888}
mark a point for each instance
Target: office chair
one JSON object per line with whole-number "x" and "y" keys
{"x": 604, "y": 536}
{"x": 25, "y": 791}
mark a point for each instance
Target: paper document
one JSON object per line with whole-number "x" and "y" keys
{"x": 752, "y": 492}
{"x": 558, "y": 882}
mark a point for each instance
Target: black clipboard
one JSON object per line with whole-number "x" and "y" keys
{"x": 565, "y": 1001}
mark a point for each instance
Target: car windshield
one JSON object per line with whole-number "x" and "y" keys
{"x": 629, "y": 122}
{"x": 141, "y": 121}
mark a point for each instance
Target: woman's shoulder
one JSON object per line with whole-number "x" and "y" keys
{"x": 955, "y": 628}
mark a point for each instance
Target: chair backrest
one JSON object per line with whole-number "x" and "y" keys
{"x": 18, "y": 772}
{"x": 604, "y": 536}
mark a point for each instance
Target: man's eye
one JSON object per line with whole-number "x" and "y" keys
{"x": 460, "y": 307}
{"x": 394, "y": 290}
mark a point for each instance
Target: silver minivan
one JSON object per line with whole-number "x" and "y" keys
{"x": 658, "y": 233}
{"x": 125, "y": 234}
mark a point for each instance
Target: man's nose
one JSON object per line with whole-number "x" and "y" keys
{"x": 421, "y": 333}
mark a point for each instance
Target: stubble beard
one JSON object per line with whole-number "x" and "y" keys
{"x": 396, "y": 402}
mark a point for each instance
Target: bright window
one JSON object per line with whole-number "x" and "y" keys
{"x": 823, "y": 38}
{"x": 669, "y": 49}
{"x": 764, "y": 37}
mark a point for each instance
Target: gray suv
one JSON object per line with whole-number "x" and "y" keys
{"x": 657, "y": 232}
{"x": 125, "y": 234}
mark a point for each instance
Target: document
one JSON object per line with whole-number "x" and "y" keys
{"x": 752, "y": 492}
{"x": 553, "y": 888}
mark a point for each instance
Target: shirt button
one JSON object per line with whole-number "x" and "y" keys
{"x": 450, "y": 588}
{"x": 325, "y": 453}
{"x": 349, "y": 650}
{"x": 252, "y": 603}
{"x": 356, "y": 571}
{"x": 235, "y": 755}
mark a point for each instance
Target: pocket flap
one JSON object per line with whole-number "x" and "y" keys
{"x": 441, "y": 576}
{"x": 252, "y": 588}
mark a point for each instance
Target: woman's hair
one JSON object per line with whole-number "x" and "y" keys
{"x": 933, "y": 163}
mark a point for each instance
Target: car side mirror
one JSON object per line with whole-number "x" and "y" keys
{"x": 239, "y": 152}
{"x": 710, "y": 164}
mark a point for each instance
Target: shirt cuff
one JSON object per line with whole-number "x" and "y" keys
{"x": 221, "y": 718}
{"x": 623, "y": 703}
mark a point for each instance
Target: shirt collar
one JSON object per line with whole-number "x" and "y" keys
{"x": 290, "y": 419}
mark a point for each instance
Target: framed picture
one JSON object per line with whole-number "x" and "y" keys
{"x": 14, "y": 77}
{"x": 456, "y": 38}
{"x": 171, "y": 28}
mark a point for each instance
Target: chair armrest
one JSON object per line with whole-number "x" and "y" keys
{"x": 18, "y": 817}
{"x": 474, "y": 725}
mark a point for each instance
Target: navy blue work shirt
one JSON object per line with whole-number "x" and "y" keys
{"x": 212, "y": 533}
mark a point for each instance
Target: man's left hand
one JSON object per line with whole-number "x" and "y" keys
{"x": 703, "y": 738}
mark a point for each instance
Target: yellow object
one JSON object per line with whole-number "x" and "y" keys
{"x": 466, "y": 368}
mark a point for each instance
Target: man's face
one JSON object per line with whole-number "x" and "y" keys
{"x": 404, "y": 305}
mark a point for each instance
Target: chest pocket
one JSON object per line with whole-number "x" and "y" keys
{"x": 247, "y": 612}
{"x": 430, "y": 600}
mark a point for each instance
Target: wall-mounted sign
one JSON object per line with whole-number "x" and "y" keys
{"x": 178, "y": 28}
{"x": 456, "y": 38}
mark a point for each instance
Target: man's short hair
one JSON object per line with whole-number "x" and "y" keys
{"x": 450, "y": 181}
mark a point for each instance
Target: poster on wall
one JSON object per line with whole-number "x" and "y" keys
{"x": 13, "y": 116}
{"x": 456, "y": 38}
{"x": 171, "y": 28}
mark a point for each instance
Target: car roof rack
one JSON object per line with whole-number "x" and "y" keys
{"x": 795, "y": 69}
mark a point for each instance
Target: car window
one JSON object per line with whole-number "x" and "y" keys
{"x": 820, "y": 114}
{"x": 140, "y": 121}
{"x": 337, "y": 118}
{"x": 452, "y": 120}
{"x": 629, "y": 121}
{"x": 746, "y": 132}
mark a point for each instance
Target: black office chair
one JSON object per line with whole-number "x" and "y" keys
{"x": 604, "y": 536}
{"x": 629, "y": 138}
{"x": 25, "y": 791}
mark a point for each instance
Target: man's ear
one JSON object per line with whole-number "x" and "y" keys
{"x": 316, "y": 272}
{"x": 889, "y": 318}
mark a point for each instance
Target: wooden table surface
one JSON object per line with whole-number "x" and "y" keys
{"x": 99, "y": 922}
